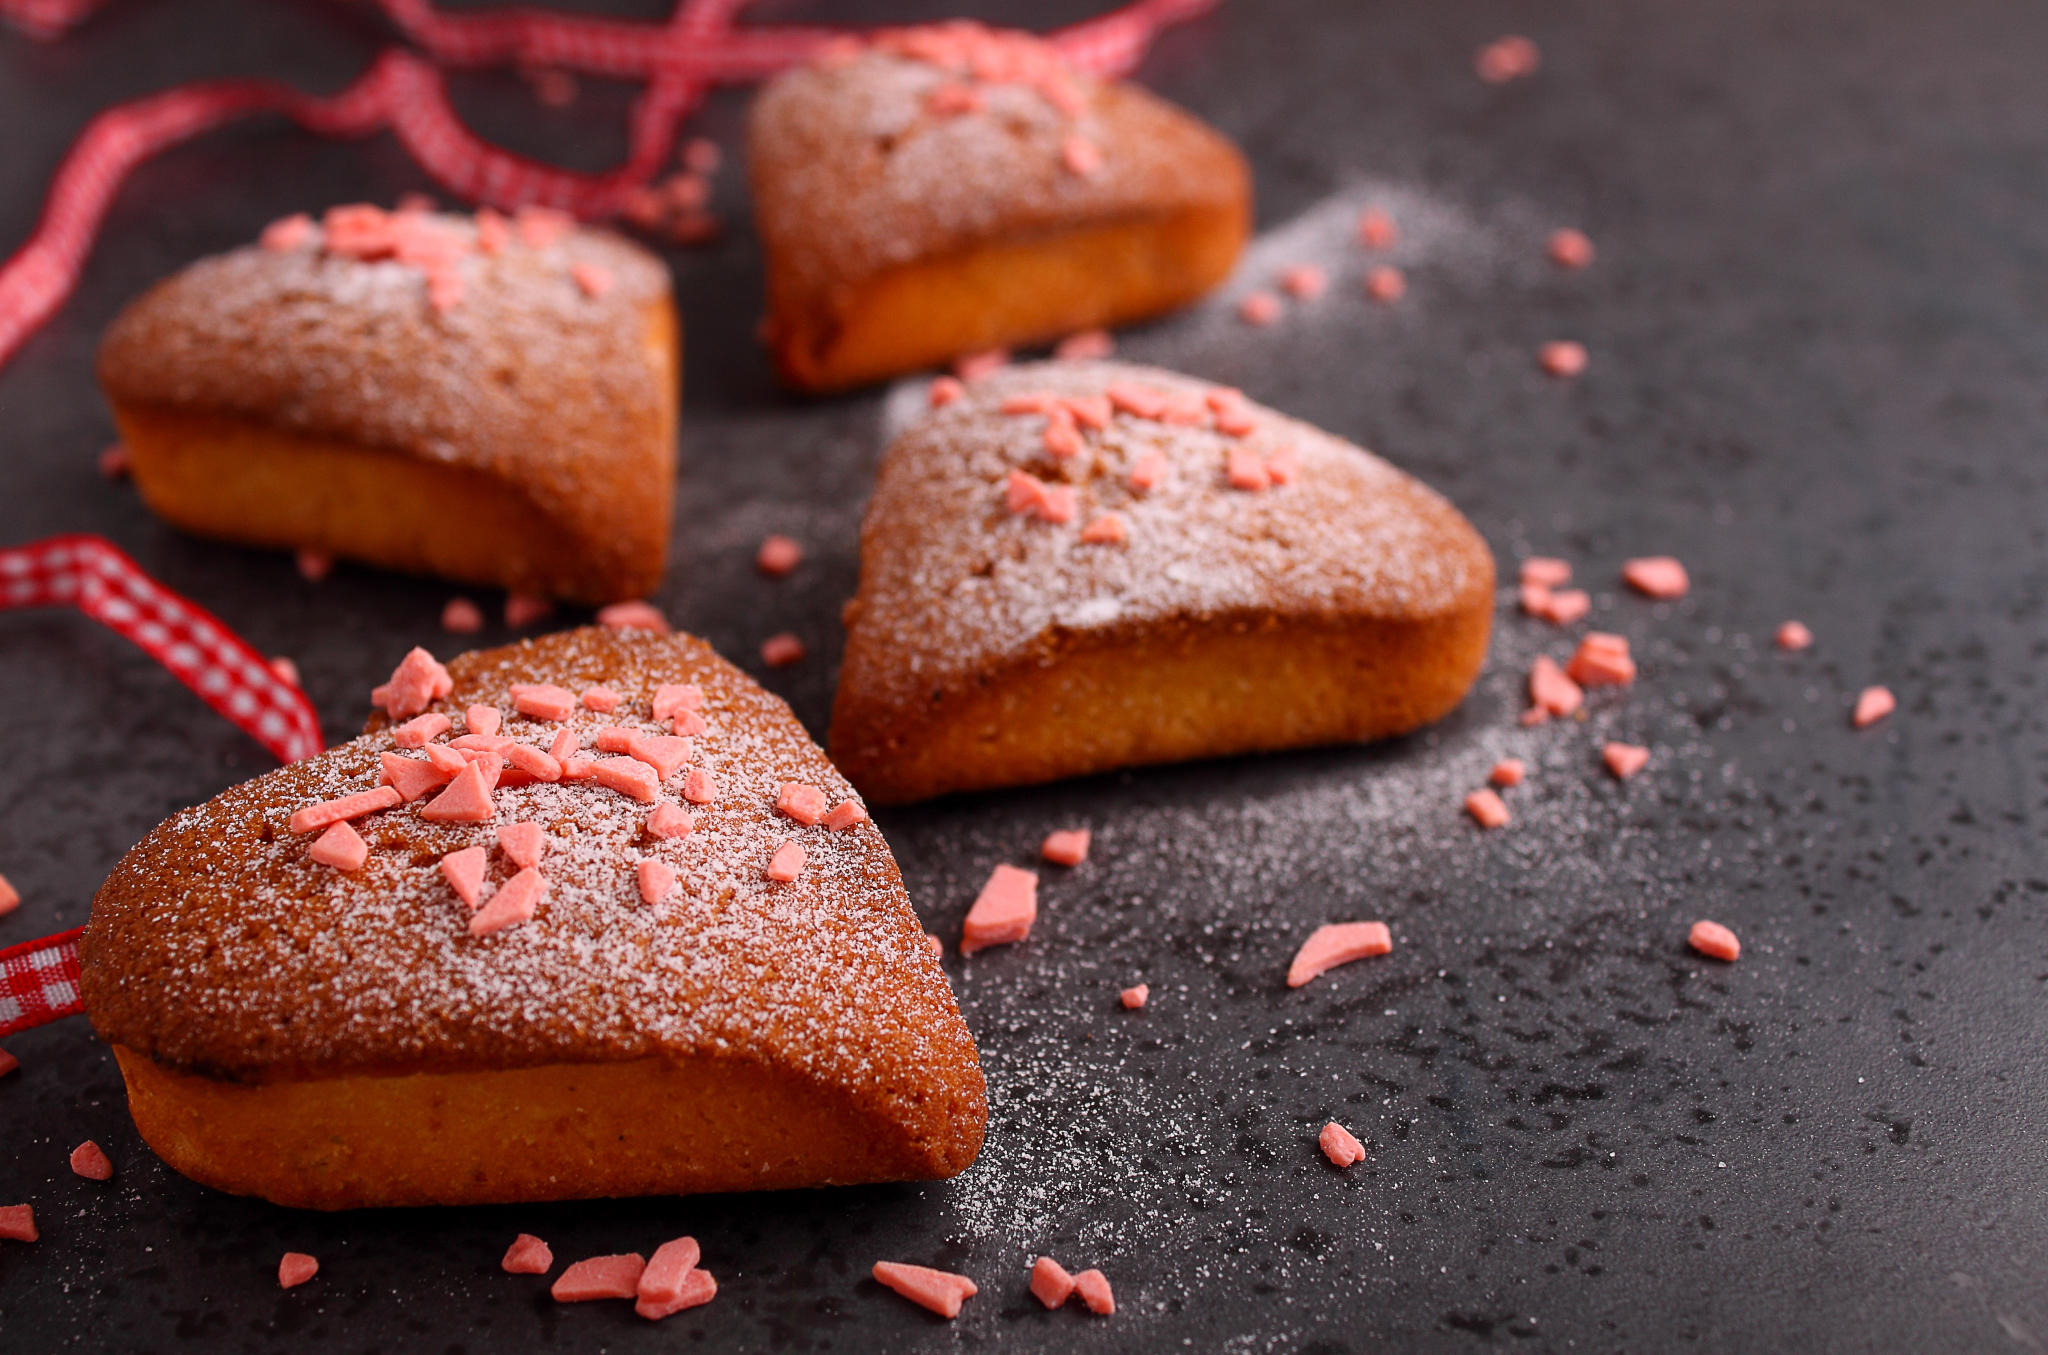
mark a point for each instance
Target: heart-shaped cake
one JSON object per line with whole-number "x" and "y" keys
{"x": 489, "y": 399}
{"x": 941, "y": 190}
{"x": 1075, "y": 566}
{"x": 585, "y": 916}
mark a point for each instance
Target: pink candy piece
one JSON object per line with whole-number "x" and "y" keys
{"x": 1086, "y": 345}
{"x": 287, "y": 671}
{"x": 411, "y": 777}
{"x": 1714, "y": 941}
{"x": 804, "y": 803}
{"x": 634, "y": 615}
{"x": 1143, "y": 402}
{"x": 523, "y": 843}
{"x": 1066, "y": 847}
{"x": 1386, "y": 284}
{"x": 1050, "y": 1283}
{"x": 1061, "y": 439}
{"x": 672, "y": 698}
{"x": 1246, "y": 469}
{"x": 528, "y": 1255}
{"x": 1570, "y": 248}
{"x": 544, "y": 701}
{"x": 464, "y": 872}
{"x": 786, "y": 864}
{"x": 462, "y": 617}
{"x": 1003, "y": 912}
{"x": 846, "y": 814}
{"x": 939, "y": 1290}
{"x": 421, "y": 730}
{"x": 1107, "y": 530}
{"x": 1551, "y": 691}
{"x": 1340, "y": 1145}
{"x": 934, "y": 945}
{"x": 89, "y": 1161}
{"x": 1305, "y": 281}
{"x": 18, "y": 1223}
{"x": 286, "y": 233}
{"x": 1135, "y": 996}
{"x": 564, "y": 746}
{"x": 666, "y": 753}
{"x": 974, "y": 366}
{"x": 536, "y": 764}
{"x": 467, "y": 800}
{"x": 778, "y": 556}
{"x": 952, "y": 99}
{"x": 295, "y": 1269}
{"x": 1562, "y": 357}
{"x": 1026, "y": 493}
{"x": 1546, "y": 571}
{"x": 670, "y": 820}
{"x": 700, "y": 787}
{"x": 662, "y": 1281}
{"x": 780, "y": 651}
{"x": 1337, "y": 943}
{"x": 513, "y": 904}
{"x": 1283, "y": 467}
{"x": 1506, "y": 59}
{"x": 1624, "y": 759}
{"x": 523, "y": 609}
{"x": 1657, "y": 576}
{"x": 1486, "y": 809}
{"x": 1794, "y": 635}
{"x": 1376, "y": 229}
{"x": 594, "y": 280}
{"x": 482, "y": 720}
{"x": 696, "y": 1289}
{"x": 1602, "y": 661}
{"x": 601, "y": 699}
{"x": 945, "y": 390}
{"x": 629, "y": 777}
{"x": 481, "y": 743}
{"x": 1872, "y": 705}
{"x": 341, "y": 847}
{"x": 613, "y": 739}
{"x": 417, "y": 682}
{"x": 1147, "y": 471}
{"x": 656, "y": 879}
{"x": 1081, "y": 156}
{"x": 1093, "y": 1287}
{"x": 600, "y": 1277}
{"x": 10, "y": 897}
{"x": 448, "y": 761}
{"x": 313, "y": 565}
{"x": 1509, "y": 771}
{"x": 346, "y": 807}
{"x": 1260, "y": 308}
{"x": 1560, "y": 608}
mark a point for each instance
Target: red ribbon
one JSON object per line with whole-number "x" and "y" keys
{"x": 39, "y": 982}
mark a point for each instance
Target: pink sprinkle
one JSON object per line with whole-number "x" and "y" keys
{"x": 1067, "y": 847}
{"x": 1246, "y": 469}
{"x": 1337, "y": 943}
{"x": 845, "y": 815}
{"x": 1714, "y": 941}
{"x": 10, "y": 897}
{"x": 313, "y": 565}
{"x": 974, "y": 366}
{"x": 1081, "y": 156}
{"x": 286, "y": 233}
{"x": 778, "y": 556}
{"x": 513, "y": 904}
{"x": 941, "y": 1291}
{"x": 1003, "y": 912}
{"x": 1093, "y": 1287}
{"x": 1386, "y": 284}
{"x": 464, "y": 872}
{"x": 89, "y": 1161}
{"x": 1107, "y": 530}
{"x": 780, "y": 651}
{"x": 700, "y": 787}
{"x": 462, "y": 617}
{"x": 1794, "y": 635}
{"x": 1505, "y": 59}
{"x": 656, "y": 879}
{"x": 295, "y": 1269}
{"x": 341, "y": 847}
{"x": 524, "y": 843}
{"x": 18, "y": 1223}
{"x": 1546, "y": 571}
{"x": 1550, "y": 690}
{"x": 1135, "y": 996}
{"x": 670, "y": 820}
{"x": 1050, "y": 1283}
{"x": 1624, "y": 759}
{"x": 115, "y": 462}
{"x": 1657, "y": 576}
{"x": 1486, "y": 809}
{"x": 1260, "y": 308}
{"x": 1340, "y": 1145}
{"x": 600, "y": 1277}
{"x": 945, "y": 390}
{"x": 1570, "y": 248}
{"x": 8, "y": 1063}
{"x": 671, "y": 697}
{"x": 467, "y": 800}
{"x": 523, "y": 609}
{"x": 1562, "y": 357}
{"x": 1305, "y": 281}
{"x": 347, "y": 807}
{"x": 417, "y": 682}
{"x": 633, "y": 615}
{"x": 786, "y": 864}
{"x": 1376, "y": 229}
{"x": 1147, "y": 471}
{"x": 544, "y": 701}
{"x": 1872, "y": 705}
{"x": 629, "y": 777}
{"x": 1087, "y": 345}
{"x": 528, "y": 1255}
{"x": 1508, "y": 772}
{"x": 804, "y": 803}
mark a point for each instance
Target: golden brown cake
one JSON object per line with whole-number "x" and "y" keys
{"x": 951, "y": 189}
{"x": 729, "y": 1017}
{"x": 487, "y": 399}
{"x": 1069, "y": 567}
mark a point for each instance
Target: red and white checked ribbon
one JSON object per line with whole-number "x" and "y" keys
{"x": 39, "y": 981}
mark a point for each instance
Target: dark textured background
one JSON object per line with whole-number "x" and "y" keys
{"x": 1820, "y": 376}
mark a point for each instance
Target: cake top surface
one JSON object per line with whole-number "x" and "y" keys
{"x": 992, "y": 532}
{"x": 220, "y": 946}
{"x": 928, "y": 141}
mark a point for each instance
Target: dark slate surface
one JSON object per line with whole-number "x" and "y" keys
{"x": 1818, "y": 377}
